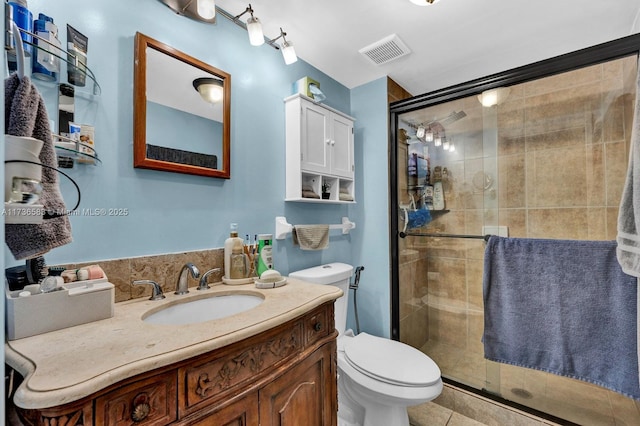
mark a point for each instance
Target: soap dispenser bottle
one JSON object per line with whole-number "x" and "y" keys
{"x": 228, "y": 248}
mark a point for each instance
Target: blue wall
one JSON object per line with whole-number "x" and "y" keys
{"x": 170, "y": 212}
{"x": 371, "y": 243}
{"x": 165, "y": 127}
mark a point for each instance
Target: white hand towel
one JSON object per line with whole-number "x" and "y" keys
{"x": 628, "y": 238}
{"x": 311, "y": 237}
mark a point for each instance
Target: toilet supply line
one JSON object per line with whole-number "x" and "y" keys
{"x": 354, "y": 287}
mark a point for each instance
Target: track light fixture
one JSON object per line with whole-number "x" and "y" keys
{"x": 288, "y": 52}
{"x": 254, "y": 27}
{"x": 428, "y": 135}
{"x": 206, "y": 11}
{"x": 424, "y": 2}
{"x": 198, "y": 10}
{"x": 206, "y": 8}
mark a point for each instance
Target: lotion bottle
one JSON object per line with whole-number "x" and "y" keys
{"x": 228, "y": 248}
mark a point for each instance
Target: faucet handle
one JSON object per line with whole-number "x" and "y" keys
{"x": 204, "y": 285}
{"x": 156, "y": 290}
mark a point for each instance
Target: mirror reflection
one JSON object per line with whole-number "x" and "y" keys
{"x": 181, "y": 112}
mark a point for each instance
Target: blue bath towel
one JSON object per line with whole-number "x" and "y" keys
{"x": 564, "y": 307}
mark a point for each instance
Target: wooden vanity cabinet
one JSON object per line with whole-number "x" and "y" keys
{"x": 286, "y": 375}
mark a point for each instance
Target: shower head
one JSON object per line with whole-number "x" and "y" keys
{"x": 453, "y": 117}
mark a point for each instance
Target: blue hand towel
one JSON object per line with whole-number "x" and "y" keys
{"x": 564, "y": 307}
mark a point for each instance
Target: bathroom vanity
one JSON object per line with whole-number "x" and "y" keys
{"x": 273, "y": 364}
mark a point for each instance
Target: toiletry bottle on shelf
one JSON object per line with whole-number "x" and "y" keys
{"x": 228, "y": 248}
{"x": 438, "y": 192}
{"x": 239, "y": 263}
{"x": 45, "y": 65}
{"x": 265, "y": 258}
{"x": 24, "y": 20}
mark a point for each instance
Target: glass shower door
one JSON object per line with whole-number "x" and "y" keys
{"x": 546, "y": 160}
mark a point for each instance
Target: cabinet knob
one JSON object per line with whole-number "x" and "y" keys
{"x": 140, "y": 412}
{"x": 141, "y": 407}
{"x": 333, "y": 142}
{"x": 317, "y": 326}
{"x": 328, "y": 141}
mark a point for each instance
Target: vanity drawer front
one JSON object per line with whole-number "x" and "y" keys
{"x": 318, "y": 324}
{"x": 152, "y": 401}
{"x": 237, "y": 368}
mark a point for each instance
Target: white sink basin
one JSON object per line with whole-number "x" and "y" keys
{"x": 200, "y": 310}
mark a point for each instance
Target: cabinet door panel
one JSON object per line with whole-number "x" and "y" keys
{"x": 342, "y": 147}
{"x": 301, "y": 396}
{"x": 314, "y": 144}
{"x": 241, "y": 413}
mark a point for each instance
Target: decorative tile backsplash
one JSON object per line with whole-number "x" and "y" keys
{"x": 161, "y": 268}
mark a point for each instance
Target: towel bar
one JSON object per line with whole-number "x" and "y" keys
{"x": 283, "y": 227}
{"x": 418, "y": 234}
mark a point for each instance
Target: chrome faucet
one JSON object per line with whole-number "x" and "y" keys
{"x": 182, "y": 286}
{"x": 156, "y": 290}
{"x": 204, "y": 284}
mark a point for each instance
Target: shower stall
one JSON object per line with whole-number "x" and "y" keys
{"x": 541, "y": 152}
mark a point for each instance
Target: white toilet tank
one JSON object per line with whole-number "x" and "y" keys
{"x": 336, "y": 274}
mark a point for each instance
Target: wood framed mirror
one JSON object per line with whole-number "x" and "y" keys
{"x": 175, "y": 128}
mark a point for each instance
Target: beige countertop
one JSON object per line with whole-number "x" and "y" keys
{"x": 69, "y": 364}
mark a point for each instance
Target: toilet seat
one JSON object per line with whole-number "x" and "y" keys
{"x": 390, "y": 361}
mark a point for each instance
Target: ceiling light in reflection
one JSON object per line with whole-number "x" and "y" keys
{"x": 492, "y": 97}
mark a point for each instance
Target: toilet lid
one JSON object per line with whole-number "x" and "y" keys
{"x": 390, "y": 361}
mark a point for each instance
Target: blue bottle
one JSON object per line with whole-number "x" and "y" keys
{"x": 24, "y": 19}
{"x": 45, "y": 66}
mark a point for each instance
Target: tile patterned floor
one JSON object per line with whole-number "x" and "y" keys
{"x": 456, "y": 407}
{"x": 577, "y": 401}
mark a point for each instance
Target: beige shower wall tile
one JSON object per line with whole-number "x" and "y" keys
{"x": 612, "y": 116}
{"x": 563, "y": 110}
{"x": 553, "y": 139}
{"x": 511, "y": 126}
{"x": 447, "y": 282}
{"x": 563, "y": 81}
{"x": 613, "y": 70}
{"x": 474, "y": 274}
{"x": 617, "y": 161}
{"x": 624, "y": 409}
{"x": 512, "y": 181}
{"x": 567, "y": 223}
{"x": 556, "y": 178}
{"x": 414, "y": 328}
{"x": 597, "y": 227}
{"x": 595, "y": 175}
{"x": 515, "y": 220}
{"x": 611, "y": 222}
{"x": 448, "y": 325}
{"x": 474, "y": 342}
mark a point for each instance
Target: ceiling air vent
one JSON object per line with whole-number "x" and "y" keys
{"x": 385, "y": 50}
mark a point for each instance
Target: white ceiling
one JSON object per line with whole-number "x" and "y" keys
{"x": 452, "y": 42}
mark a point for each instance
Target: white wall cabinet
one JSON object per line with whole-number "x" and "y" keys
{"x": 319, "y": 152}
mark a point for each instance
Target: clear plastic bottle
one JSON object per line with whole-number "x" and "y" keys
{"x": 228, "y": 248}
{"x": 239, "y": 262}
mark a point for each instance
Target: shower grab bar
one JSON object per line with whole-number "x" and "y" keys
{"x": 419, "y": 234}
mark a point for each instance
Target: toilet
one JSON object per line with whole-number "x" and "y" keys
{"x": 378, "y": 378}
